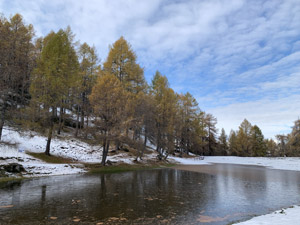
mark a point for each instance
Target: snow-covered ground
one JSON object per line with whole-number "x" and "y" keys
{"x": 65, "y": 146}
{"x": 290, "y": 216}
{"x": 286, "y": 163}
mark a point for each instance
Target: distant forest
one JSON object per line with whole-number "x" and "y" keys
{"x": 54, "y": 84}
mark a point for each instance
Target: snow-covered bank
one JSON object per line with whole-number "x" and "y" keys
{"x": 286, "y": 163}
{"x": 290, "y": 216}
{"x": 64, "y": 145}
{"x": 18, "y": 143}
{"x": 16, "y": 153}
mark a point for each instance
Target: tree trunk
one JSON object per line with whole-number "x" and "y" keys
{"x": 86, "y": 127}
{"x": 158, "y": 141}
{"x": 82, "y": 119}
{"x": 2, "y": 119}
{"x": 77, "y": 122}
{"x": 47, "y": 152}
{"x": 165, "y": 158}
{"x": 61, "y": 112}
{"x": 118, "y": 145}
{"x": 144, "y": 146}
{"x": 83, "y": 108}
{"x": 105, "y": 151}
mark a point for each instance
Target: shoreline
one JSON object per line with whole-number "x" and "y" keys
{"x": 96, "y": 169}
{"x": 284, "y": 214}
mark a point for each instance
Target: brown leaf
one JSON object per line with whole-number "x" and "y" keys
{"x": 6, "y": 206}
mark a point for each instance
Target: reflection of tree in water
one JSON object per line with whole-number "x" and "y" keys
{"x": 150, "y": 194}
{"x": 137, "y": 197}
{"x": 43, "y": 195}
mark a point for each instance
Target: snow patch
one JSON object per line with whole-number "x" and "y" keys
{"x": 290, "y": 216}
{"x": 282, "y": 163}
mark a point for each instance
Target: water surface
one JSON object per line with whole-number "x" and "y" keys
{"x": 216, "y": 194}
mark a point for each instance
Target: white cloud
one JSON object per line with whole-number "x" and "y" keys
{"x": 272, "y": 116}
{"x": 229, "y": 54}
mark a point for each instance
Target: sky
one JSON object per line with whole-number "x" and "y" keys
{"x": 239, "y": 59}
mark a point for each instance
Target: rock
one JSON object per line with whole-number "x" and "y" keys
{"x": 14, "y": 168}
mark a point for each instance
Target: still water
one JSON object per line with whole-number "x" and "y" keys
{"x": 216, "y": 194}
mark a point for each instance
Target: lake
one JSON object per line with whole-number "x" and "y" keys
{"x": 211, "y": 194}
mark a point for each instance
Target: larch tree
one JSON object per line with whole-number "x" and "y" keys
{"x": 88, "y": 72}
{"x": 293, "y": 143}
{"x": 144, "y": 114}
{"x": 165, "y": 101}
{"x": 188, "y": 110}
{"x": 54, "y": 77}
{"x": 121, "y": 62}
{"x": 244, "y": 138}
{"x": 16, "y": 64}
{"x": 199, "y": 134}
{"x": 282, "y": 145}
{"x": 108, "y": 99}
{"x": 271, "y": 147}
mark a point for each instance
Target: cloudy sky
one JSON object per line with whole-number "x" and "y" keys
{"x": 240, "y": 59}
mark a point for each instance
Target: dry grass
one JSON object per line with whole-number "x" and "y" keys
{"x": 50, "y": 159}
{"x": 127, "y": 167}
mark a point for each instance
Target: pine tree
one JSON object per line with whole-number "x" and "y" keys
{"x": 210, "y": 124}
{"x": 233, "y": 148}
{"x": 202, "y": 133}
{"x": 223, "y": 143}
{"x": 258, "y": 145}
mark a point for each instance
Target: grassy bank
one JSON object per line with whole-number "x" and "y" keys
{"x": 4, "y": 180}
{"x": 50, "y": 159}
{"x": 126, "y": 167}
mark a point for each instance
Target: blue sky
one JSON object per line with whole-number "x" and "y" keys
{"x": 240, "y": 59}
